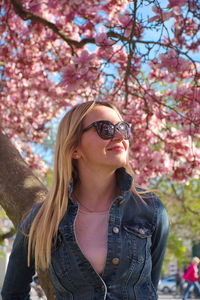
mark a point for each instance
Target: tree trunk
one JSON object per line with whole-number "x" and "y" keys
{"x": 19, "y": 190}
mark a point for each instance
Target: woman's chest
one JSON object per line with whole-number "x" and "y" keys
{"x": 91, "y": 231}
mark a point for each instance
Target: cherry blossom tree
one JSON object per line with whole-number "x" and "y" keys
{"x": 141, "y": 55}
{"x": 54, "y": 54}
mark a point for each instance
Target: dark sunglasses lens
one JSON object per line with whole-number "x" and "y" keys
{"x": 124, "y": 128}
{"x": 105, "y": 130}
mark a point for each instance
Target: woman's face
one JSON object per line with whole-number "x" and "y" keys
{"x": 95, "y": 152}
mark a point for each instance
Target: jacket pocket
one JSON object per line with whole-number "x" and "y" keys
{"x": 138, "y": 241}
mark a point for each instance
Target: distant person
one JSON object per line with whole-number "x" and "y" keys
{"x": 192, "y": 278}
{"x": 178, "y": 280}
{"x": 99, "y": 235}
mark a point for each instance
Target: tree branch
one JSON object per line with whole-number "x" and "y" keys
{"x": 182, "y": 200}
{"x": 19, "y": 190}
{"x": 7, "y": 235}
{"x": 27, "y": 15}
{"x": 130, "y": 56}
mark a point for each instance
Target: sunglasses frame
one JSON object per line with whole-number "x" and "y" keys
{"x": 116, "y": 126}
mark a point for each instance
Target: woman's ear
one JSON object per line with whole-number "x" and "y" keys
{"x": 75, "y": 154}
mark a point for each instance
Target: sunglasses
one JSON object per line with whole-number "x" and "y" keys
{"x": 106, "y": 129}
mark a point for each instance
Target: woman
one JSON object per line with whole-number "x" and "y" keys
{"x": 99, "y": 237}
{"x": 192, "y": 278}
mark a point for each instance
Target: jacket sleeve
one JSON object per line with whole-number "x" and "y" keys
{"x": 159, "y": 243}
{"x": 190, "y": 273}
{"x": 18, "y": 276}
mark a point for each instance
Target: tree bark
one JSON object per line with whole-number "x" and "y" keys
{"x": 19, "y": 190}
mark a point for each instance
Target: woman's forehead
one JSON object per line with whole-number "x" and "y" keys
{"x": 101, "y": 112}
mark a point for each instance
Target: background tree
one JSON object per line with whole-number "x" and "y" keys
{"x": 140, "y": 55}
{"x": 183, "y": 205}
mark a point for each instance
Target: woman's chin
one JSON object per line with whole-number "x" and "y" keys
{"x": 118, "y": 163}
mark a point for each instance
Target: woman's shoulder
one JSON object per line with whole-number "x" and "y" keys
{"x": 149, "y": 197}
{"x": 153, "y": 204}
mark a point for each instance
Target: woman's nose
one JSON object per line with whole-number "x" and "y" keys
{"x": 118, "y": 135}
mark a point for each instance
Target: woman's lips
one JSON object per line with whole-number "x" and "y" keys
{"x": 116, "y": 148}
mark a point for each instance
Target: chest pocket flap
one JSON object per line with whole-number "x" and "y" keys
{"x": 139, "y": 230}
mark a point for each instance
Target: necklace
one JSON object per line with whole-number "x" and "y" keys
{"x": 86, "y": 208}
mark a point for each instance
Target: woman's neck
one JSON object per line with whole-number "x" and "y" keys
{"x": 96, "y": 191}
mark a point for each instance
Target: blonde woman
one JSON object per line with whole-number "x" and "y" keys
{"x": 192, "y": 278}
{"x": 99, "y": 236}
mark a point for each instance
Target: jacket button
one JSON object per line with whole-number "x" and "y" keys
{"x": 115, "y": 229}
{"x": 141, "y": 230}
{"x": 115, "y": 261}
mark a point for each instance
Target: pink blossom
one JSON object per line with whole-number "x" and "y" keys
{"x": 177, "y": 11}
{"x": 101, "y": 39}
{"x": 70, "y": 78}
{"x": 125, "y": 20}
{"x": 173, "y": 63}
{"x": 84, "y": 58}
{"x": 161, "y": 15}
{"x": 173, "y": 3}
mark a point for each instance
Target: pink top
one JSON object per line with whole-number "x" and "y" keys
{"x": 192, "y": 273}
{"x": 91, "y": 229}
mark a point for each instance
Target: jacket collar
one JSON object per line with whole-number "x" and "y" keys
{"x": 124, "y": 182}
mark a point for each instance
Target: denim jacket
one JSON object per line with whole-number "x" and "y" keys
{"x": 137, "y": 237}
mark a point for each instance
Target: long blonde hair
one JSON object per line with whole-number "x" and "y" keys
{"x": 44, "y": 227}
